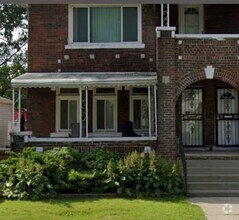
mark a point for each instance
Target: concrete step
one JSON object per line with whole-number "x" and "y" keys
{"x": 213, "y": 170}
{"x": 214, "y": 193}
{"x": 213, "y": 186}
{"x": 213, "y": 163}
{"x": 213, "y": 178}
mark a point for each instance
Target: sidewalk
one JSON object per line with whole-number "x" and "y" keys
{"x": 218, "y": 208}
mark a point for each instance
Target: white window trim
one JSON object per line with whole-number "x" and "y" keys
{"x": 115, "y": 114}
{"x": 88, "y": 45}
{"x": 131, "y": 116}
{"x": 58, "y": 110}
{"x": 182, "y": 18}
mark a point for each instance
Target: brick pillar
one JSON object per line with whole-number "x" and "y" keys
{"x": 166, "y": 68}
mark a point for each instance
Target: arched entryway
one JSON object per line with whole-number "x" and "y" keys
{"x": 208, "y": 115}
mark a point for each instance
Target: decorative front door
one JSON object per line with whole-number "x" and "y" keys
{"x": 192, "y": 117}
{"x": 227, "y": 117}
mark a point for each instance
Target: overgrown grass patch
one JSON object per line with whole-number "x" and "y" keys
{"x": 102, "y": 208}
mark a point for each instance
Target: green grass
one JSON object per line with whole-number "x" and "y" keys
{"x": 101, "y": 208}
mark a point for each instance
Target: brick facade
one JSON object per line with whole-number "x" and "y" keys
{"x": 180, "y": 63}
{"x": 48, "y": 33}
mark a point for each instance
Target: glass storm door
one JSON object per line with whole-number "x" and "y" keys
{"x": 227, "y": 117}
{"x": 192, "y": 117}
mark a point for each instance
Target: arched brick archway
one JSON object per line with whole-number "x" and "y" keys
{"x": 231, "y": 78}
{"x": 210, "y": 115}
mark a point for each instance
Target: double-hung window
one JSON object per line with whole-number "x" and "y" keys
{"x": 104, "y": 25}
{"x": 67, "y": 109}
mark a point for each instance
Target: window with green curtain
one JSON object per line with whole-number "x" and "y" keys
{"x": 105, "y": 24}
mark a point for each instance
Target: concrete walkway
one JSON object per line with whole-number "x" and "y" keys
{"x": 218, "y": 208}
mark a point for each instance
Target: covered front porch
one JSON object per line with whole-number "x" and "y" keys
{"x": 87, "y": 107}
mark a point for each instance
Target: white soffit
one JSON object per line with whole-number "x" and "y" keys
{"x": 78, "y": 79}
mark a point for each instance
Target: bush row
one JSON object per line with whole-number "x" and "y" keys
{"x": 30, "y": 175}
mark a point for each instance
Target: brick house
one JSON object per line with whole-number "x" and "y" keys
{"x": 171, "y": 69}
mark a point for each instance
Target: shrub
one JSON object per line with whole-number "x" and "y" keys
{"x": 98, "y": 159}
{"x": 33, "y": 175}
{"x": 139, "y": 176}
{"x": 26, "y": 180}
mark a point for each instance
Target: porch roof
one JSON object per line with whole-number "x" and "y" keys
{"x": 77, "y": 79}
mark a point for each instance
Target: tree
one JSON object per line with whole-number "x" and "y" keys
{"x": 10, "y": 71}
{"x": 13, "y": 41}
{"x": 13, "y": 31}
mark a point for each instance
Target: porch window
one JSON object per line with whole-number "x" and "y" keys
{"x": 139, "y": 111}
{"x": 191, "y": 19}
{"x": 67, "y": 112}
{"x": 105, "y": 114}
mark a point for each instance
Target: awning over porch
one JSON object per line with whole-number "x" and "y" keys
{"x": 74, "y": 79}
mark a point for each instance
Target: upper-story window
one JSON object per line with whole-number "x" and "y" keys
{"x": 191, "y": 19}
{"x": 109, "y": 26}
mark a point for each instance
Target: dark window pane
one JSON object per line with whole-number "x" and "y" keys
{"x": 137, "y": 114}
{"x": 73, "y": 112}
{"x": 105, "y": 90}
{"x": 64, "y": 114}
{"x": 139, "y": 90}
{"x": 80, "y": 25}
{"x": 100, "y": 114}
{"x": 109, "y": 108}
{"x": 69, "y": 91}
{"x": 130, "y": 24}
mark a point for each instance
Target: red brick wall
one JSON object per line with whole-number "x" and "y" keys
{"x": 48, "y": 33}
{"x": 221, "y": 19}
{"x": 41, "y": 111}
{"x": 197, "y": 54}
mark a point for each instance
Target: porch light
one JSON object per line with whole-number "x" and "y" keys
{"x": 209, "y": 72}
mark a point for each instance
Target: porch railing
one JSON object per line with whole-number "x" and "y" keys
{"x": 184, "y": 163}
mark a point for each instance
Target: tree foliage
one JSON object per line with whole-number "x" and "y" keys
{"x": 13, "y": 41}
{"x": 13, "y": 31}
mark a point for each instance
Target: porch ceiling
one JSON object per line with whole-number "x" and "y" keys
{"x": 77, "y": 79}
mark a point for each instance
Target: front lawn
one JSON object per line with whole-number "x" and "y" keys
{"x": 101, "y": 208}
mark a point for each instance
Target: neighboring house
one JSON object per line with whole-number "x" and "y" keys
{"x": 5, "y": 122}
{"x": 171, "y": 69}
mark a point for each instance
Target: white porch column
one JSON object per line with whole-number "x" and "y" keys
{"x": 149, "y": 109}
{"x": 19, "y": 109}
{"x": 155, "y": 111}
{"x": 86, "y": 111}
{"x": 80, "y": 91}
{"x": 13, "y": 108}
